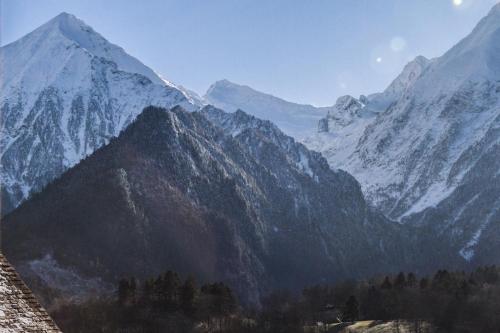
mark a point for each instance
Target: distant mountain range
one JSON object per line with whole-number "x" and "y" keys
{"x": 95, "y": 188}
{"x": 297, "y": 120}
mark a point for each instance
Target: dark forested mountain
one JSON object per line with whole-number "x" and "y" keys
{"x": 238, "y": 201}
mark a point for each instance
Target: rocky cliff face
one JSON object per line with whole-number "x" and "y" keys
{"x": 237, "y": 201}
{"x": 65, "y": 91}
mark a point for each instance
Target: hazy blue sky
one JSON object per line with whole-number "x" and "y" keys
{"x": 308, "y": 51}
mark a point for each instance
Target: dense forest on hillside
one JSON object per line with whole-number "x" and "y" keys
{"x": 450, "y": 301}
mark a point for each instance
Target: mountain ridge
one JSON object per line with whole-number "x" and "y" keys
{"x": 294, "y": 119}
{"x": 261, "y": 210}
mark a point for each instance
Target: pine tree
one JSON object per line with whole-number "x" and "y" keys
{"x": 132, "y": 289}
{"x": 188, "y": 293}
{"x": 424, "y": 283}
{"x": 387, "y": 284}
{"x": 411, "y": 281}
{"x": 123, "y": 290}
{"x": 148, "y": 291}
{"x": 400, "y": 281}
{"x": 351, "y": 309}
{"x": 170, "y": 285}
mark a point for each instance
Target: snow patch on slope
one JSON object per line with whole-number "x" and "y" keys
{"x": 468, "y": 251}
{"x": 67, "y": 281}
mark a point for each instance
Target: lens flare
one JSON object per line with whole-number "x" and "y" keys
{"x": 398, "y": 44}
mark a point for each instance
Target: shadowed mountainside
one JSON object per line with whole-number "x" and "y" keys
{"x": 254, "y": 209}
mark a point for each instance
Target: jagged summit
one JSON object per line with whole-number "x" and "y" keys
{"x": 411, "y": 72}
{"x": 347, "y": 103}
{"x": 402, "y": 83}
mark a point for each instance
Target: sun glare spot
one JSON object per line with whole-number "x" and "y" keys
{"x": 398, "y": 44}
{"x": 379, "y": 59}
{"x": 457, "y": 2}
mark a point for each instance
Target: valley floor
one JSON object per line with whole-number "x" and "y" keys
{"x": 372, "y": 326}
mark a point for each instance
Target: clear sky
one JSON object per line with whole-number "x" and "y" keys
{"x": 307, "y": 51}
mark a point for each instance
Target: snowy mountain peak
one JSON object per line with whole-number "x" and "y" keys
{"x": 411, "y": 72}
{"x": 346, "y": 110}
{"x": 65, "y": 91}
{"x": 71, "y": 26}
{"x": 474, "y": 60}
{"x": 294, "y": 119}
{"x": 435, "y": 123}
{"x": 347, "y": 103}
{"x": 222, "y": 83}
{"x": 490, "y": 23}
{"x": 37, "y": 59}
{"x": 223, "y": 87}
{"x": 402, "y": 83}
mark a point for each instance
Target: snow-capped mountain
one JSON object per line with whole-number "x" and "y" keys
{"x": 412, "y": 155}
{"x": 340, "y": 131}
{"x": 297, "y": 120}
{"x": 403, "y": 83}
{"x": 223, "y": 196}
{"x": 65, "y": 91}
{"x": 430, "y": 154}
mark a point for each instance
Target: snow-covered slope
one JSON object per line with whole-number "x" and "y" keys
{"x": 339, "y": 132}
{"x": 65, "y": 91}
{"x": 414, "y": 154}
{"x": 430, "y": 155}
{"x": 403, "y": 83}
{"x": 297, "y": 120}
